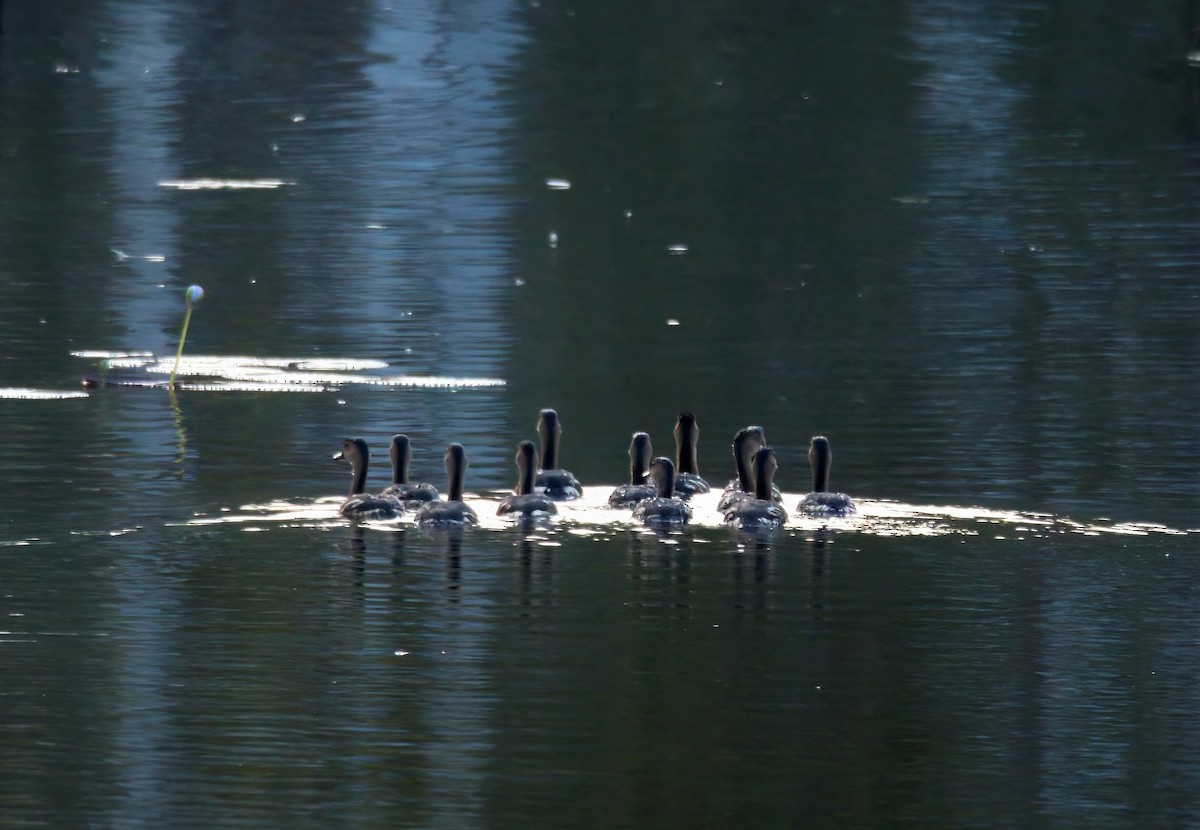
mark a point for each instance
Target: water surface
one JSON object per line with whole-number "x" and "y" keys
{"x": 959, "y": 243}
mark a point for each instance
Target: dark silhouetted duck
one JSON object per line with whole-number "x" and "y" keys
{"x": 558, "y": 484}
{"x": 759, "y": 512}
{"x": 687, "y": 472}
{"x": 525, "y": 502}
{"x": 452, "y": 511}
{"x": 412, "y": 495}
{"x": 745, "y": 443}
{"x": 820, "y": 502}
{"x": 662, "y": 509}
{"x": 628, "y": 495}
{"x": 359, "y": 504}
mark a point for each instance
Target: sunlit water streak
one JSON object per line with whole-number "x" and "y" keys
{"x": 591, "y": 514}
{"x": 224, "y": 184}
{"x": 262, "y": 374}
{"x": 22, "y": 393}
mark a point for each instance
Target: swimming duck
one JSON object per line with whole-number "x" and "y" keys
{"x": 820, "y": 502}
{"x": 687, "y": 472}
{"x": 745, "y": 443}
{"x": 525, "y": 502}
{"x": 628, "y": 495}
{"x": 759, "y": 512}
{"x": 412, "y": 495}
{"x": 452, "y": 511}
{"x": 663, "y": 509}
{"x": 558, "y": 484}
{"x": 359, "y": 504}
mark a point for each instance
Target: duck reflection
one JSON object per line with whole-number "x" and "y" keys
{"x": 535, "y": 571}
{"x": 354, "y": 547}
{"x": 819, "y": 544}
{"x": 661, "y": 562}
{"x": 753, "y": 565}
{"x": 451, "y": 536}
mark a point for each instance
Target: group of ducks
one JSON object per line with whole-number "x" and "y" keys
{"x": 658, "y": 490}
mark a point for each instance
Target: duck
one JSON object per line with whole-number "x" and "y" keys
{"x": 628, "y": 495}
{"x": 452, "y": 511}
{"x": 412, "y": 495}
{"x": 687, "y": 472}
{"x": 821, "y": 502}
{"x": 663, "y": 509}
{"x": 746, "y": 442}
{"x": 759, "y": 512}
{"x": 360, "y": 504}
{"x": 524, "y": 502}
{"x": 558, "y": 484}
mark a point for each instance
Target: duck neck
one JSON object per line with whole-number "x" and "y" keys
{"x": 550, "y": 450}
{"x": 526, "y": 474}
{"x": 458, "y": 479}
{"x": 400, "y": 456}
{"x": 639, "y": 462}
{"x": 820, "y": 471}
{"x": 358, "y": 479}
{"x": 666, "y": 482}
{"x": 740, "y": 451}
{"x": 685, "y": 453}
{"x": 763, "y": 479}
{"x": 745, "y": 479}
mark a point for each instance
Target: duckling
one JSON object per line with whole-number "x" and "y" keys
{"x": 360, "y": 504}
{"x": 628, "y": 495}
{"x": 820, "y": 502}
{"x": 662, "y": 509}
{"x": 687, "y": 472}
{"x": 452, "y": 511}
{"x": 745, "y": 443}
{"x": 558, "y": 484}
{"x": 411, "y": 495}
{"x": 759, "y": 512}
{"x": 524, "y": 502}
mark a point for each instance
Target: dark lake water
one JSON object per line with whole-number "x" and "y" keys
{"x": 962, "y": 243}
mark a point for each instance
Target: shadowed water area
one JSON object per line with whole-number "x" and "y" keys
{"x": 960, "y": 242}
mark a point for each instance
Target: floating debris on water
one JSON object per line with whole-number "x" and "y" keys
{"x": 558, "y": 184}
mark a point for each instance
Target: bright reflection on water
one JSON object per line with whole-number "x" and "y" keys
{"x": 591, "y": 514}
{"x": 258, "y": 374}
{"x": 225, "y": 184}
